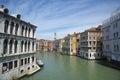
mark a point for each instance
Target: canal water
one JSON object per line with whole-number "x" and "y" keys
{"x": 64, "y": 67}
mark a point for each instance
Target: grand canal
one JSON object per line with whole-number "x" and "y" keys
{"x": 64, "y": 67}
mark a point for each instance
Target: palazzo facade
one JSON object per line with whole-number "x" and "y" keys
{"x": 17, "y": 46}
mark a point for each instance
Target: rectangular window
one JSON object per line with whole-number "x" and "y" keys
{"x": 116, "y": 34}
{"x": 113, "y": 26}
{"x": 28, "y": 60}
{"x": 25, "y": 60}
{"x": 114, "y": 48}
{"x": 15, "y": 63}
{"x": 90, "y": 43}
{"x": 10, "y": 65}
{"x": 116, "y": 25}
{"x": 33, "y": 59}
{"x": 93, "y": 42}
{"x": 21, "y": 62}
{"x": 4, "y": 67}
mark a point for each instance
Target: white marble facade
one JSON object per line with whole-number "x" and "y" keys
{"x": 111, "y": 36}
{"x": 17, "y": 46}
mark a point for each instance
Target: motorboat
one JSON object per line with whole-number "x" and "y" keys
{"x": 40, "y": 63}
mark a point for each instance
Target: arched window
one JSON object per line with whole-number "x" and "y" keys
{"x": 22, "y": 46}
{"x": 6, "y": 26}
{"x": 25, "y": 46}
{"x": 26, "y": 31}
{"x": 28, "y": 46}
{"x": 10, "y": 47}
{"x": 16, "y": 29}
{"x": 5, "y": 44}
{"x": 33, "y": 46}
{"x": 11, "y": 27}
{"x": 15, "y": 47}
{"x": 22, "y": 31}
{"x": 29, "y": 32}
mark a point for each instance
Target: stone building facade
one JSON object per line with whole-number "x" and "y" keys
{"x": 70, "y": 44}
{"x": 78, "y": 43}
{"x": 67, "y": 44}
{"x": 40, "y": 45}
{"x": 91, "y": 43}
{"x": 56, "y": 45}
{"x": 17, "y": 46}
{"x": 44, "y": 45}
{"x": 111, "y": 37}
{"x": 73, "y": 48}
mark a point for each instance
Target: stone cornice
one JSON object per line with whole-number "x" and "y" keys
{"x": 16, "y": 37}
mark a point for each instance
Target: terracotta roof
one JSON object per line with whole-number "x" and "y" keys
{"x": 95, "y": 28}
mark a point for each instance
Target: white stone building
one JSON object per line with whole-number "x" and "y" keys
{"x": 67, "y": 45}
{"x": 17, "y": 46}
{"x": 111, "y": 37}
{"x": 61, "y": 45}
{"x": 90, "y": 43}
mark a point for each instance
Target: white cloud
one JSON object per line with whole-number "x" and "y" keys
{"x": 50, "y": 15}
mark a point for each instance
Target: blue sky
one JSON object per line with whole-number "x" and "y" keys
{"x": 62, "y": 16}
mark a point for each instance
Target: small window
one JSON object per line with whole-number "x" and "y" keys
{"x": 116, "y": 25}
{"x": 94, "y": 42}
{"x": 15, "y": 63}
{"x": 116, "y": 34}
{"x": 28, "y": 60}
{"x": 33, "y": 59}
{"x": 115, "y": 48}
{"x": 90, "y": 54}
{"x": 98, "y": 55}
{"x": 4, "y": 67}
{"x": 21, "y": 62}
{"x": 25, "y": 60}
{"x": 90, "y": 42}
{"x": 10, "y": 65}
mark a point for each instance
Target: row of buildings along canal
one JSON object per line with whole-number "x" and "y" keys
{"x": 94, "y": 43}
{"x": 18, "y": 44}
